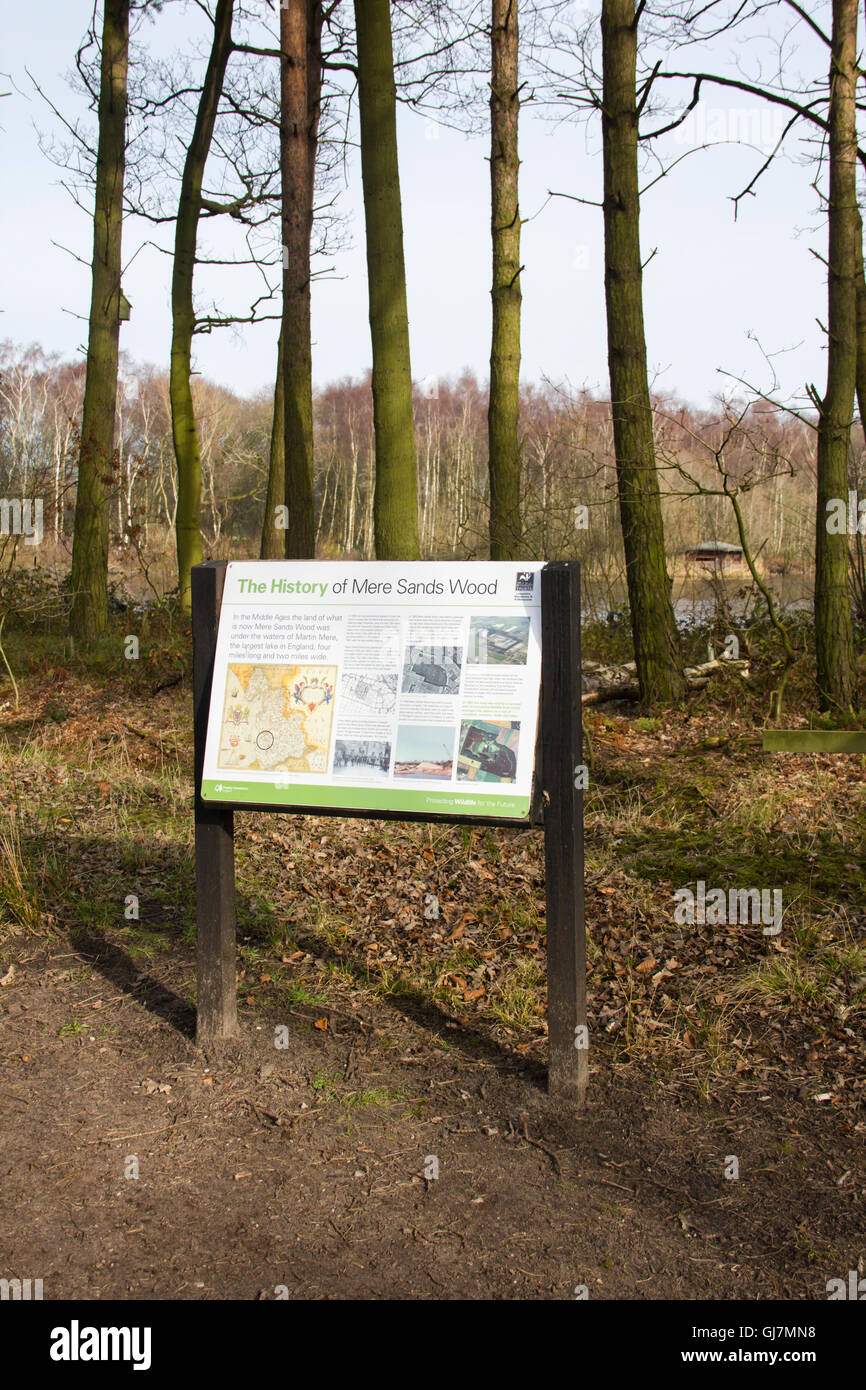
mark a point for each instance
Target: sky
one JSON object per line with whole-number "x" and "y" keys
{"x": 721, "y": 297}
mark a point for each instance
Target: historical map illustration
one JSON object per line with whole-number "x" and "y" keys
{"x": 277, "y": 717}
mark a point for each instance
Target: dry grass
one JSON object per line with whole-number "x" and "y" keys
{"x": 331, "y": 912}
{"x": 20, "y": 897}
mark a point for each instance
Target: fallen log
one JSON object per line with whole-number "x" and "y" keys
{"x": 618, "y": 682}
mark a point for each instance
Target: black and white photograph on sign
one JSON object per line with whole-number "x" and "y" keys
{"x": 424, "y": 751}
{"x": 497, "y": 641}
{"x": 432, "y": 670}
{"x": 365, "y": 757}
{"x": 368, "y": 692}
{"x": 488, "y": 750}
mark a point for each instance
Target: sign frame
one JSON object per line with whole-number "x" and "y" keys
{"x": 556, "y": 806}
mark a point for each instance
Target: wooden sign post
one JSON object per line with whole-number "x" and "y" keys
{"x": 216, "y": 946}
{"x": 562, "y": 809}
{"x": 557, "y": 805}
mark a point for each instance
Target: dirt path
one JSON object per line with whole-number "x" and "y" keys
{"x": 301, "y": 1172}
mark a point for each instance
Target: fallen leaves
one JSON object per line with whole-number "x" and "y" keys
{"x": 448, "y": 977}
{"x": 149, "y": 1087}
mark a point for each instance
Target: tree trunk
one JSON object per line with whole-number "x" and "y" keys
{"x": 656, "y": 649}
{"x": 353, "y": 487}
{"x": 183, "y": 422}
{"x": 274, "y": 536}
{"x": 503, "y": 407}
{"x": 300, "y": 96}
{"x": 833, "y": 627}
{"x": 857, "y": 557}
{"x": 89, "y": 612}
{"x": 396, "y": 495}
{"x": 861, "y": 324}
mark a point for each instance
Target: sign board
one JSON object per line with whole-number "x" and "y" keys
{"x": 376, "y": 687}
{"x": 391, "y": 691}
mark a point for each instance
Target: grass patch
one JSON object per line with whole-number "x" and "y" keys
{"x": 817, "y": 970}
{"x": 330, "y": 1088}
{"x": 517, "y": 1001}
{"x": 20, "y": 893}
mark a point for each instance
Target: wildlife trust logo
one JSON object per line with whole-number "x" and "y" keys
{"x": 524, "y": 586}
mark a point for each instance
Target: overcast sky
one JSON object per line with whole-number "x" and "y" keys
{"x": 716, "y": 292}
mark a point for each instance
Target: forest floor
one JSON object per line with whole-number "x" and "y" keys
{"x": 382, "y": 1128}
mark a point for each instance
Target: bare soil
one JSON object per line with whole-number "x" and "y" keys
{"x": 378, "y": 1132}
{"x": 251, "y": 1176}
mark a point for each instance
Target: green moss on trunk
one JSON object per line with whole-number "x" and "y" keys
{"x": 834, "y": 643}
{"x": 273, "y": 536}
{"x": 89, "y": 612}
{"x": 659, "y": 662}
{"x": 395, "y": 514}
{"x": 183, "y": 422}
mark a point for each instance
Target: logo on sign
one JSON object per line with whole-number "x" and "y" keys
{"x": 525, "y": 583}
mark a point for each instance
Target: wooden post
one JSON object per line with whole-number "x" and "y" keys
{"x": 217, "y": 1014}
{"x": 561, "y": 759}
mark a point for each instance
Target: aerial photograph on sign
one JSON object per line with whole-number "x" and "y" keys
{"x": 277, "y": 717}
{"x": 432, "y": 670}
{"x": 497, "y": 641}
{"x": 488, "y": 751}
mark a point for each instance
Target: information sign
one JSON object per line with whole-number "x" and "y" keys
{"x": 376, "y": 687}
